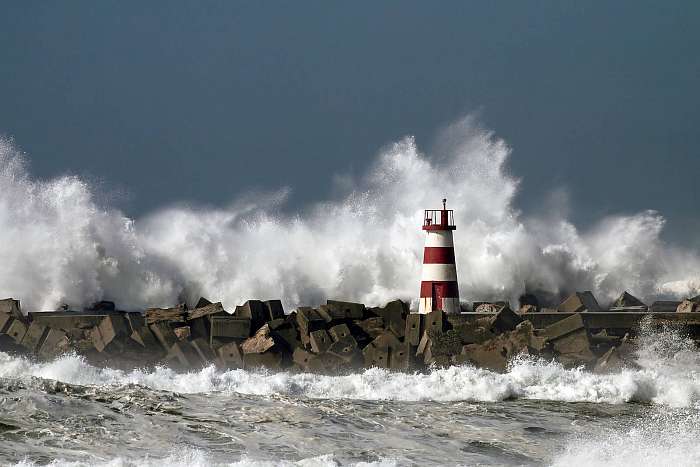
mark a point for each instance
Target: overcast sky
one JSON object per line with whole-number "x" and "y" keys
{"x": 161, "y": 102}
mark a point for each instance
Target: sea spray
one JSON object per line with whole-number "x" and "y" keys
{"x": 60, "y": 246}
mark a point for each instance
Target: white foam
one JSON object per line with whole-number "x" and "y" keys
{"x": 188, "y": 457}
{"x": 663, "y": 438}
{"x": 59, "y": 245}
{"x": 669, "y": 375}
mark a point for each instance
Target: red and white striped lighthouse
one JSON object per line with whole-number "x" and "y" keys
{"x": 438, "y": 287}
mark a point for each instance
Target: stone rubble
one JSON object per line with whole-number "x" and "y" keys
{"x": 342, "y": 336}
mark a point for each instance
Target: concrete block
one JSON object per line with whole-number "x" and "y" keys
{"x": 309, "y": 320}
{"x": 17, "y": 330}
{"x": 110, "y": 328}
{"x": 55, "y": 343}
{"x": 261, "y": 342}
{"x": 400, "y": 357}
{"x": 688, "y": 306}
{"x": 434, "y": 320}
{"x": 373, "y": 327}
{"x": 272, "y": 360}
{"x": 34, "y": 337}
{"x": 286, "y": 335}
{"x": 505, "y": 320}
{"x": 627, "y": 300}
{"x": 578, "y": 302}
{"x": 563, "y": 327}
{"x": 5, "y": 321}
{"x": 229, "y": 327}
{"x": 174, "y": 315}
{"x": 575, "y": 348}
{"x": 345, "y": 310}
{"x": 202, "y": 302}
{"x": 183, "y": 333}
{"x": 345, "y": 349}
{"x": 394, "y": 314}
{"x": 12, "y": 307}
{"x": 376, "y": 356}
{"x": 230, "y": 355}
{"x": 489, "y": 307}
{"x": 274, "y": 309}
{"x": 339, "y": 331}
{"x": 320, "y": 341}
{"x": 203, "y": 350}
{"x": 164, "y": 334}
{"x": 414, "y": 329}
{"x": 206, "y": 310}
{"x": 183, "y": 355}
{"x": 664, "y": 306}
{"x": 255, "y": 311}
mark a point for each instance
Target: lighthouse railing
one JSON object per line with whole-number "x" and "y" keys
{"x": 438, "y": 217}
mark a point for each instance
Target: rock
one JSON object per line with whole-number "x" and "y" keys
{"x": 174, "y": 315}
{"x": 261, "y": 342}
{"x": 578, "y": 302}
{"x": 274, "y": 309}
{"x": 339, "y": 331}
{"x": 505, "y": 320}
{"x": 320, "y": 341}
{"x": 230, "y": 355}
{"x": 627, "y": 300}
{"x": 183, "y": 333}
{"x": 34, "y": 337}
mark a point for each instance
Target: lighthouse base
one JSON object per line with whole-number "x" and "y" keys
{"x": 449, "y": 305}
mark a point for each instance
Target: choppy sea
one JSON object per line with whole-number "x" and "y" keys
{"x": 67, "y": 412}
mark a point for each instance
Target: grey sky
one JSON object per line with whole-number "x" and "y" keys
{"x": 203, "y": 101}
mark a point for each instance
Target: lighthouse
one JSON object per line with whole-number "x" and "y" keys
{"x": 438, "y": 287}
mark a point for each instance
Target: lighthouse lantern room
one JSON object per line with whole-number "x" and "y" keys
{"x": 438, "y": 288}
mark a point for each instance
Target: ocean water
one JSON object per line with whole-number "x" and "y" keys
{"x": 67, "y": 412}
